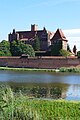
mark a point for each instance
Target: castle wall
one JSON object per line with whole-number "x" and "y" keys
{"x": 43, "y": 62}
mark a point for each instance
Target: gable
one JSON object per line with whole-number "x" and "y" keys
{"x": 59, "y": 36}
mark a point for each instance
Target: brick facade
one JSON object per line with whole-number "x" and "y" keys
{"x": 36, "y": 62}
{"x": 47, "y": 38}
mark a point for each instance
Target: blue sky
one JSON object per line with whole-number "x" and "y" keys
{"x": 52, "y": 14}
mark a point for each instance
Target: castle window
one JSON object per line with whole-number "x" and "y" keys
{"x": 21, "y": 36}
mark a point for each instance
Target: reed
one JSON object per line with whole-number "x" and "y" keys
{"x": 20, "y": 107}
{"x": 70, "y": 69}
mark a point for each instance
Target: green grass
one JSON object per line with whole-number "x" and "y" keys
{"x": 28, "y": 69}
{"x": 62, "y": 69}
{"x": 20, "y": 107}
{"x": 70, "y": 69}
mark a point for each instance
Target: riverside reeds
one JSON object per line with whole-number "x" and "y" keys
{"x": 62, "y": 69}
{"x": 20, "y": 107}
{"x": 70, "y": 69}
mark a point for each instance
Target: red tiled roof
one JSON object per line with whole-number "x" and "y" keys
{"x": 59, "y": 35}
{"x": 29, "y": 34}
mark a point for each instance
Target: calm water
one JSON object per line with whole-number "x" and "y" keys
{"x": 43, "y": 85}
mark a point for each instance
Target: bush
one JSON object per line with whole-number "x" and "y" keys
{"x": 78, "y": 54}
{"x": 18, "y": 48}
{"x": 64, "y": 53}
{"x": 5, "y": 48}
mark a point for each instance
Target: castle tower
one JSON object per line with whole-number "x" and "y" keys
{"x": 34, "y": 27}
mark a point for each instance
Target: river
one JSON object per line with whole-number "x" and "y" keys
{"x": 43, "y": 85}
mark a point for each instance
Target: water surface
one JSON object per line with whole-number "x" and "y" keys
{"x": 44, "y": 84}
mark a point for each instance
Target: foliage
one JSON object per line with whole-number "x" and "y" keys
{"x": 5, "y": 48}
{"x": 19, "y": 107}
{"x": 64, "y": 53}
{"x": 62, "y": 69}
{"x": 68, "y": 48}
{"x": 78, "y": 54}
{"x": 55, "y": 48}
{"x": 74, "y": 49}
{"x": 18, "y": 48}
{"x": 70, "y": 69}
{"x": 36, "y": 44}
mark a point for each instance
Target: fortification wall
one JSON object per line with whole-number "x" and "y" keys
{"x": 42, "y": 62}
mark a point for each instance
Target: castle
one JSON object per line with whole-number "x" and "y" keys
{"x": 47, "y": 38}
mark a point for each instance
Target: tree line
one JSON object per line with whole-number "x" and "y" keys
{"x": 17, "y": 48}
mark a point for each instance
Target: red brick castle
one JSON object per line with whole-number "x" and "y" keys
{"x": 47, "y": 38}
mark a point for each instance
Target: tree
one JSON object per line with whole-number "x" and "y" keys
{"x": 18, "y": 48}
{"x": 68, "y": 48}
{"x": 78, "y": 54}
{"x": 55, "y": 48}
{"x": 36, "y": 44}
{"x": 64, "y": 53}
{"x": 74, "y": 49}
{"x": 5, "y": 48}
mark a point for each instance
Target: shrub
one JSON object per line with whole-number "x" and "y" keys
{"x": 78, "y": 54}
{"x": 64, "y": 53}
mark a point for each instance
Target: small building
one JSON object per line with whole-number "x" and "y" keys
{"x": 59, "y": 38}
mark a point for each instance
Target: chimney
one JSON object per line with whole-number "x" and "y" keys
{"x": 34, "y": 27}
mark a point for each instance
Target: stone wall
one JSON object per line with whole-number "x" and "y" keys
{"x": 42, "y": 62}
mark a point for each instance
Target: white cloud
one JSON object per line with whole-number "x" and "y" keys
{"x": 73, "y": 36}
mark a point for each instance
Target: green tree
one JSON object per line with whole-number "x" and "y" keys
{"x": 18, "y": 48}
{"x": 55, "y": 48}
{"x": 64, "y": 53}
{"x": 5, "y": 48}
{"x": 78, "y": 54}
{"x": 74, "y": 49}
{"x": 36, "y": 44}
{"x": 15, "y": 48}
{"x": 68, "y": 48}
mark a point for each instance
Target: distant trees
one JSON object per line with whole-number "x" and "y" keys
{"x": 55, "y": 48}
{"x": 18, "y": 48}
{"x": 74, "y": 49}
{"x": 78, "y": 54}
{"x": 64, "y": 53}
{"x": 36, "y": 44}
{"x": 5, "y": 48}
{"x": 68, "y": 48}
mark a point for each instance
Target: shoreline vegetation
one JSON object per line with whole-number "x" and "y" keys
{"x": 62, "y": 69}
{"x": 16, "y": 106}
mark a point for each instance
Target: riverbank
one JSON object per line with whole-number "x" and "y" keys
{"x": 62, "y": 69}
{"x": 70, "y": 69}
{"x": 29, "y": 69}
{"x": 17, "y": 106}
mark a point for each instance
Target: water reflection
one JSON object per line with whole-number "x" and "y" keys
{"x": 49, "y": 91}
{"x": 43, "y": 85}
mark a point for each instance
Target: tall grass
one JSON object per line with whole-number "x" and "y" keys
{"x": 70, "y": 69}
{"x": 19, "y": 107}
{"x": 62, "y": 69}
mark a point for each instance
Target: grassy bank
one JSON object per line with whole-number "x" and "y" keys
{"x": 63, "y": 69}
{"x": 28, "y": 69}
{"x": 19, "y": 107}
{"x": 70, "y": 69}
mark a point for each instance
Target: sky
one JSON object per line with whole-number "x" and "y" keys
{"x": 52, "y": 14}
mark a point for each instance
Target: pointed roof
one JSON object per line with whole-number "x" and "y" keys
{"x": 59, "y": 35}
